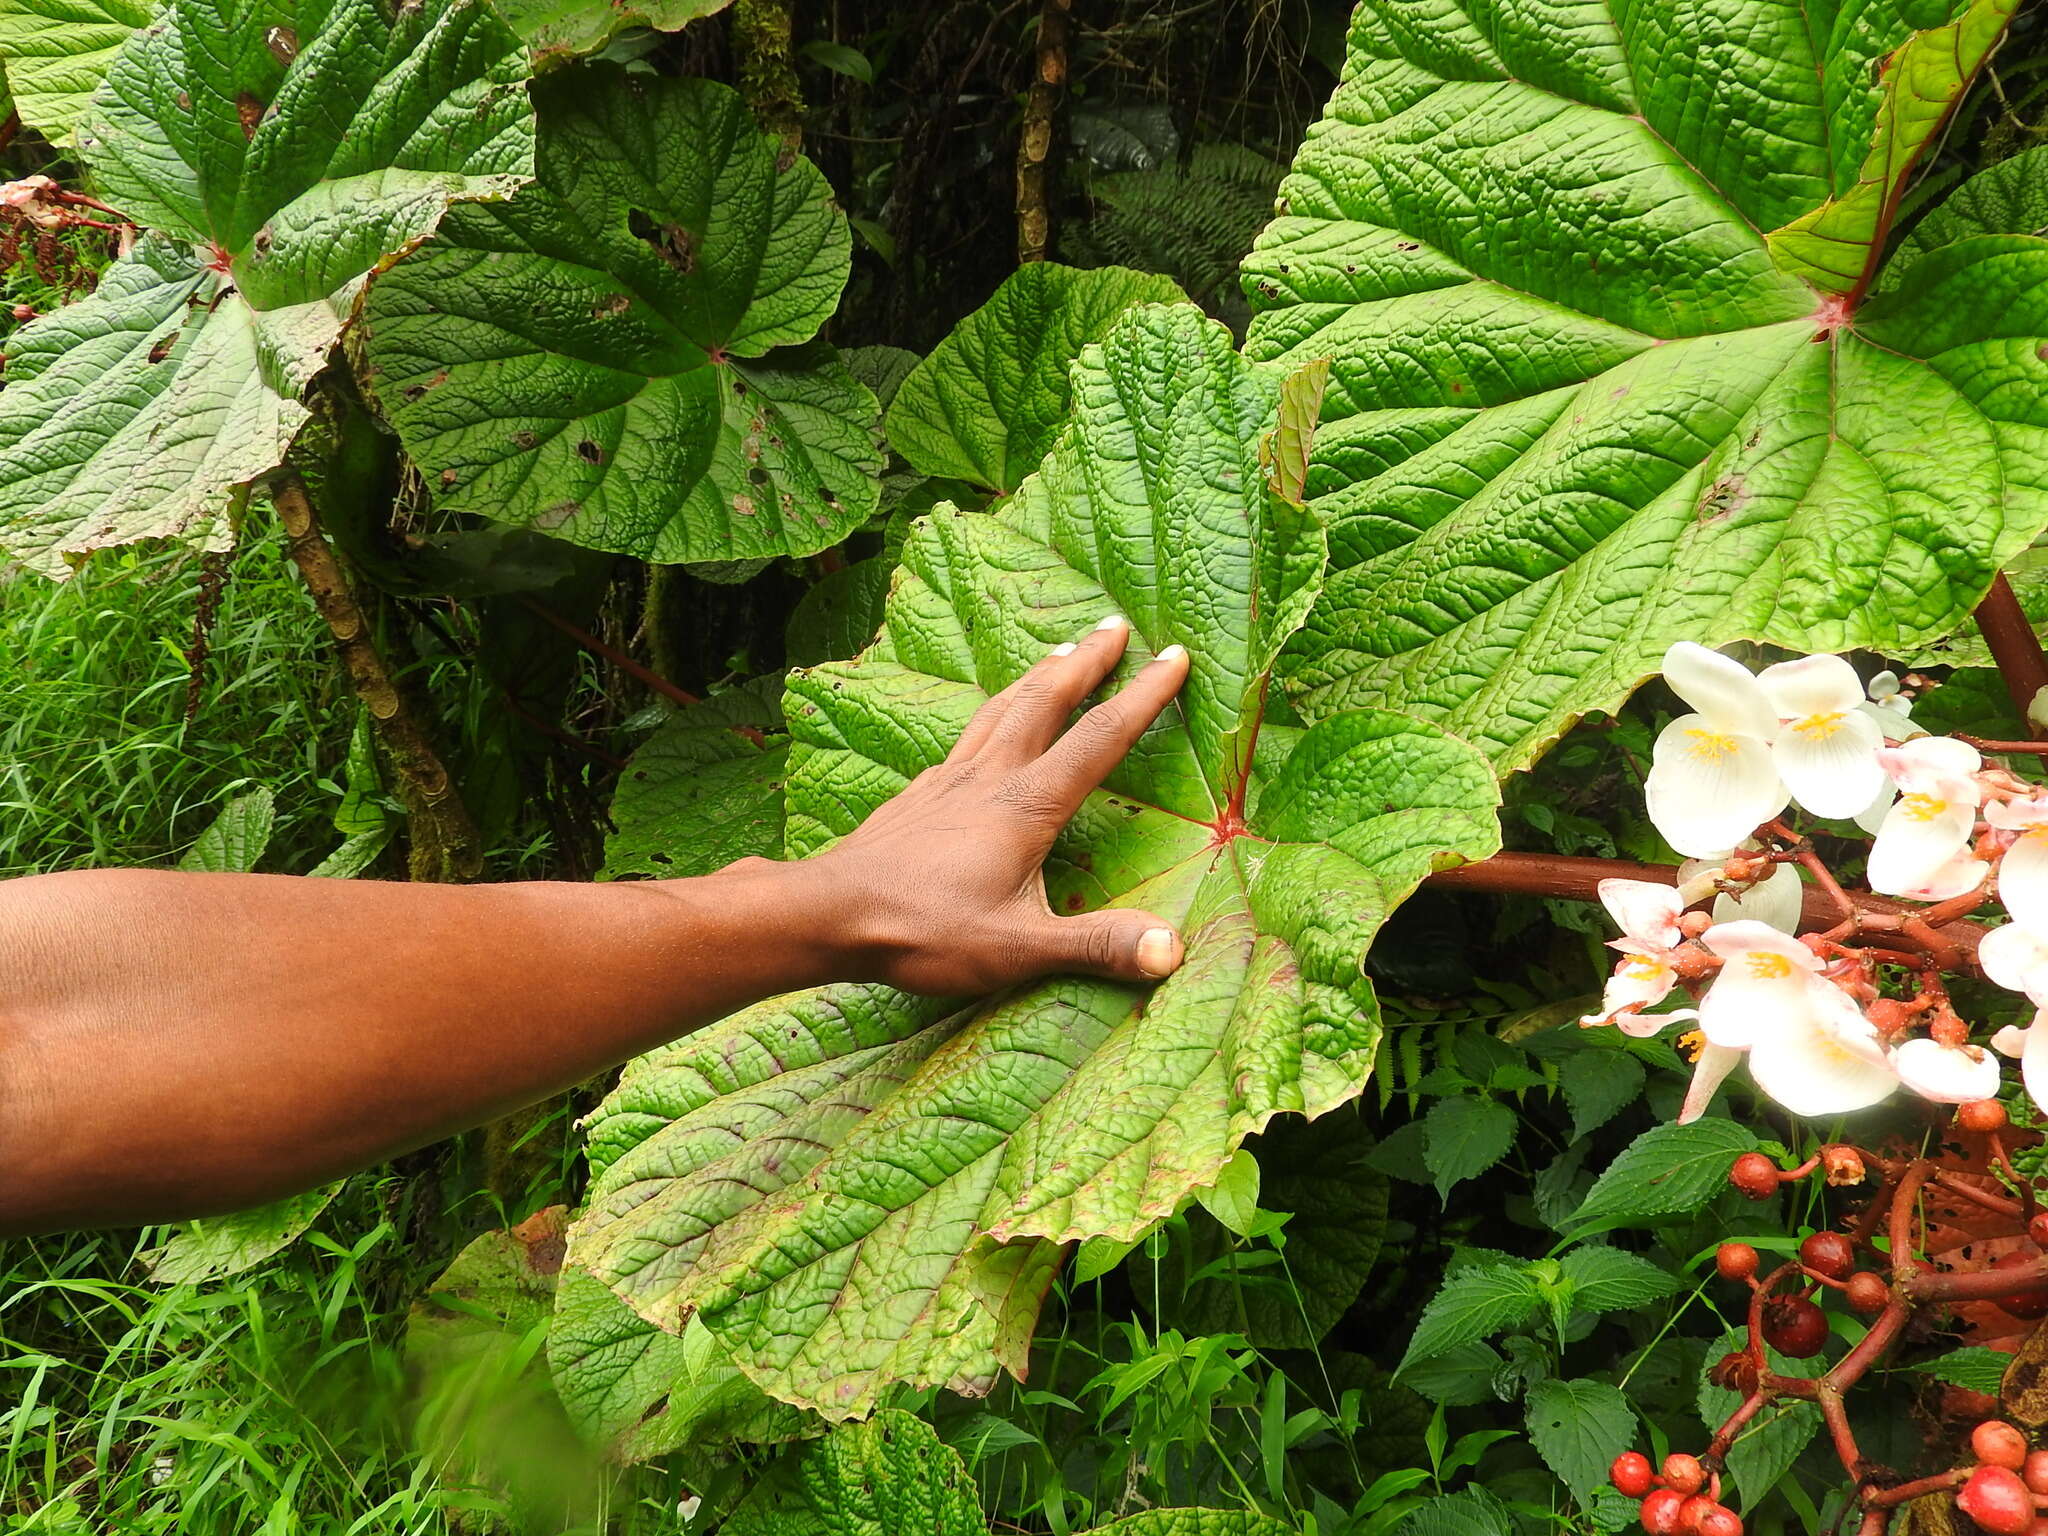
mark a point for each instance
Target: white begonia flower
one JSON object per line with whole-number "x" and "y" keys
{"x": 1889, "y": 708}
{"x": 1647, "y": 914}
{"x": 1708, "y": 1073}
{"x": 2030, "y": 1045}
{"x": 1947, "y": 1074}
{"x": 2023, "y": 872}
{"x": 1778, "y": 899}
{"x": 1810, "y": 1048}
{"x": 2016, "y": 957}
{"x": 1713, "y": 780}
{"x": 1922, "y": 848}
{"x": 1826, "y": 748}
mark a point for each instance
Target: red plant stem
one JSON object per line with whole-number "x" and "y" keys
{"x": 611, "y": 653}
{"x": 1979, "y": 1197}
{"x": 9, "y": 129}
{"x": 1904, "y": 1493}
{"x": 1983, "y": 1284}
{"x": 2034, "y": 748}
{"x": 2014, "y": 646}
{"x": 1802, "y": 850}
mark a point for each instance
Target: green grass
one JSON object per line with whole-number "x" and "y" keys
{"x": 97, "y": 762}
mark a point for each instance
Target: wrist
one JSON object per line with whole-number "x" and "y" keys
{"x": 824, "y": 924}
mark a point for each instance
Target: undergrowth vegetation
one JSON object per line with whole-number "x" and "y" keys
{"x": 1600, "y": 483}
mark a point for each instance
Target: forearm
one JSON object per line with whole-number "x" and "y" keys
{"x": 175, "y": 1045}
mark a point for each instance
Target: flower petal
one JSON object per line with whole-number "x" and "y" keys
{"x": 1872, "y": 816}
{"x": 1812, "y": 685}
{"x": 1645, "y": 911}
{"x": 1778, "y": 899}
{"x": 1960, "y": 875}
{"x": 1761, "y": 987}
{"x": 1722, "y": 689}
{"x": 1826, "y": 1068}
{"x": 1882, "y": 685}
{"x": 1920, "y": 834}
{"x": 2015, "y": 958}
{"x": 1639, "y": 981}
{"x": 1935, "y": 765}
{"x": 1708, "y": 1073}
{"x": 1947, "y": 1074}
{"x": 2010, "y": 1041}
{"x": 2023, "y": 880}
{"x": 1829, "y": 761}
{"x": 1740, "y": 940}
{"x": 2017, "y": 815}
{"x": 2034, "y": 1061}
{"x": 1709, "y": 789}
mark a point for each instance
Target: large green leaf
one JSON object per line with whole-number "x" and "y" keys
{"x": 704, "y": 790}
{"x": 57, "y": 51}
{"x": 611, "y": 356}
{"x": 273, "y": 153}
{"x": 892, "y": 1476}
{"x": 2009, "y": 198}
{"x": 220, "y": 1246}
{"x": 987, "y": 403}
{"x": 853, "y": 1187}
{"x": 1582, "y": 405}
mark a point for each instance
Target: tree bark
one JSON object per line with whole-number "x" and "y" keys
{"x": 444, "y": 847}
{"x": 761, "y": 33}
{"x": 2015, "y": 647}
{"x": 1035, "y": 139}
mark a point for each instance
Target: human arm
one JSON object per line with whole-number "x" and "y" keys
{"x": 175, "y": 1044}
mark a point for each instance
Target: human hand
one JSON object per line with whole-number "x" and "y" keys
{"x": 941, "y": 890}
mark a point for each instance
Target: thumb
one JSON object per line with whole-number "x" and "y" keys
{"x": 1119, "y": 944}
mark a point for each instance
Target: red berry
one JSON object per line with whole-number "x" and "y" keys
{"x": 1735, "y": 1261}
{"x": 1828, "y": 1253}
{"x": 1982, "y": 1116}
{"x": 1867, "y": 1292}
{"x": 1996, "y": 1443}
{"x": 1997, "y": 1500}
{"x": 1660, "y": 1512}
{"x": 2035, "y": 1303}
{"x": 1684, "y": 1472}
{"x": 1692, "y": 1511}
{"x": 1794, "y": 1326}
{"x": 2035, "y": 1472}
{"x": 1631, "y": 1474}
{"x": 2037, "y": 1229}
{"x": 1755, "y": 1175}
{"x": 1720, "y": 1521}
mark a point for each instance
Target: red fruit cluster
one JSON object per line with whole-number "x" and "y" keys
{"x": 2001, "y": 1494}
{"x": 1755, "y": 1175}
{"x": 1679, "y": 1500}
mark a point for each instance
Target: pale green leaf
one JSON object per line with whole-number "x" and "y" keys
{"x": 984, "y": 407}
{"x": 612, "y": 356}
{"x": 219, "y": 1246}
{"x": 1234, "y": 1198}
{"x": 1577, "y": 411}
{"x": 1468, "y": 1512}
{"x": 57, "y": 51}
{"x": 704, "y": 790}
{"x": 1578, "y": 1428}
{"x": 559, "y": 29}
{"x": 236, "y": 838}
{"x": 1193, "y": 1522}
{"x": 853, "y": 1187}
{"x": 1669, "y": 1170}
{"x": 271, "y": 158}
{"x": 2007, "y": 198}
{"x": 1973, "y": 1367}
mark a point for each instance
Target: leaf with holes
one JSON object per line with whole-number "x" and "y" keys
{"x": 1608, "y": 366}
{"x": 556, "y": 30}
{"x": 272, "y": 154}
{"x": 616, "y": 356}
{"x": 704, "y": 790}
{"x": 57, "y": 51}
{"x": 853, "y": 1187}
{"x": 987, "y": 403}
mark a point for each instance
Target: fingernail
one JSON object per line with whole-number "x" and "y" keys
{"x": 1112, "y": 621}
{"x": 1064, "y": 650}
{"x": 1155, "y": 952}
{"x": 1172, "y": 653}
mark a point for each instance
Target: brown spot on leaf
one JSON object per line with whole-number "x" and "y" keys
{"x": 611, "y": 304}
{"x": 283, "y": 44}
{"x": 1722, "y": 500}
{"x": 589, "y": 452}
{"x": 250, "y": 111}
{"x": 523, "y": 440}
{"x": 447, "y": 478}
{"x": 744, "y": 505}
{"x": 162, "y": 348}
{"x": 557, "y": 515}
{"x": 672, "y": 243}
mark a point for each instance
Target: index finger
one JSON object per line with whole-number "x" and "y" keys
{"x": 1102, "y": 738}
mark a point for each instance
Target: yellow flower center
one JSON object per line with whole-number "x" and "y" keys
{"x": 1641, "y": 967}
{"x": 1819, "y": 727}
{"x": 1690, "y": 1044}
{"x": 1710, "y": 746}
{"x": 1922, "y": 807}
{"x": 1769, "y": 967}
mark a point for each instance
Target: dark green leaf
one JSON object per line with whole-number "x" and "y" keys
{"x": 1465, "y": 1136}
{"x": 1578, "y": 1428}
{"x": 1669, "y": 1170}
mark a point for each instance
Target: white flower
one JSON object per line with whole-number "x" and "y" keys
{"x": 2030, "y": 1045}
{"x": 1712, "y": 779}
{"x": 1891, "y": 709}
{"x": 1647, "y": 914}
{"x": 1778, "y": 899}
{"x": 1826, "y": 750}
{"x": 1947, "y": 1074}
{"x": 1922, "y": 847}
{"x": 1714, "y": 1064}
{"x": 1809, "y": 1046}
{"x": 2016, "y": 957}
{"x": 2023, "y": 871}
